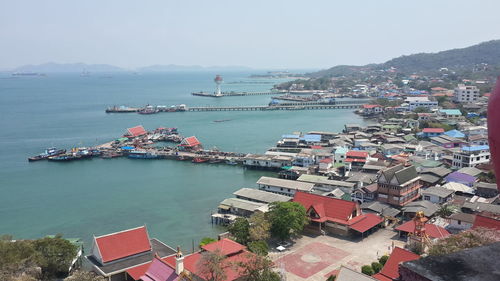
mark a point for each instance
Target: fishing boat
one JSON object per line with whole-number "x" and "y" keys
{"x": 215, "y": 161}
{"x": 223, "y": 120}
{"x": 64, "y": 157}
{"x": 182, "y": 158}
{"x": 111, "y": 154}
{"x": 231, "y": 162}
{"x": 140, "y": 154}
{"x": 47, "y": 153}
{"x": 148, "y": 110}
{"x": 200, "y": 160}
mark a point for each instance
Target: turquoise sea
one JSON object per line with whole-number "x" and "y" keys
{"x": 99, "y": 196}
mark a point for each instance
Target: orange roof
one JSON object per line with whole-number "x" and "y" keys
{"x": 226, "y": 246}
{"x": 136, "y": 131}
{"x": 123, "y": 244}
{"x": 354, "y": 153}
{"x": 432, "y": 230}
{"x": 191, "y": 141}
{"x": 433, "y": 130}
{"x": 328, "y": 208}
{"x": 487, "y": 222}
{"x": 368, "y": 106}
{"x": 390, "y": 271}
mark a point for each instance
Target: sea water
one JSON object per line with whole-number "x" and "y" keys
{"x": 174, "y": 199}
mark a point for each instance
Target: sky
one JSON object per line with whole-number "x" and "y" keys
{"x": 259, "y": 34}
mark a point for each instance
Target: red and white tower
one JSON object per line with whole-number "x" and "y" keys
{"x": 218, "y": 80}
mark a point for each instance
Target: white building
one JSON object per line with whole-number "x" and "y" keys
{"x": 267, "y": 161}
{"x": 424, "y": 102}
{"x": 465, "y": 93}
{"x": 470, "y": 156}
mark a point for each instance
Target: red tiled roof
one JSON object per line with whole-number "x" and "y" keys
{"x": 433, "y": 130}
{"x": 138, "y": 271}
{"x": 365, "y": 222}
{"x": 226, "y": 246}
{"x": 123, "y": 244}
{"x": 326, "y": 160}
{"x": 432, "y": 230}
{"x": 331, "y": 209}
{"x": 136, "y": 131}
{"x": 368, "y": 106}
{"x": 381, "y": 277}
{"x": 191, "y": 141}
{"x": 354, "y": 153}
{"x": 159, "y": 270}
{"x": 391, "y": 267}
{"x": 482, "y": 221}
{"x": 191, "y": 263}
{"x": 354, "y": 160}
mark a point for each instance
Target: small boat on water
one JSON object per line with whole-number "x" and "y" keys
{"x": 222, "y": 120}
{"x": 47, "y": 153}
{"x": 148, "y": 110}
{"x": 65, "y": 157}
{"x": 200, "y": 160}
{"x": 111, "y": 154}
{"x": 182, "y": 158}
{"x": 215, "y": 161}
{"x": 231, "y": 162}
{"x": 140, "y": 154}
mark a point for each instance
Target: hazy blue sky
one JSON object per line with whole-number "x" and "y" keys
{"x": 282, "y": 34}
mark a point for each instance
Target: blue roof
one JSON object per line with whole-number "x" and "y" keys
{"x": 451, "y": 111}
{"x": 312, "y": 138}
{"x": 475, "y": 148}
{"x": 455, "y": 134}
{"x": 290, "y": 136}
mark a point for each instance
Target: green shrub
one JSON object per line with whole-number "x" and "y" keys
{"x": 376, "y": 267}
{"x": 367, "y": 269}
{"x": 258, "y": 247}
{"x": 383, "y": 259}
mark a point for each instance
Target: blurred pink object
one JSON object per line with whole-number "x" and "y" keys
{"x": 494, "y": 128}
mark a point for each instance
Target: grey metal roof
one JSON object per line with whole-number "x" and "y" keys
{"x": 323, "y": 180}
{"x": 305, "y": 186}
{"x": 485, "y": 185}
{"x": 437, "y": 191}
{"x": 347, "y": 274}
{"x": 260, "y": 195}
{"x": 428, "y": 207}
{"x": 463, "y": 217}
{"x": 430, "y": 178}
{"x": 241, "y": 204}
{"x": 381, "y": 208}
{"x": 438, "y": 171}
{"x": 403, "y": 174}
{"x": 473, "y": 171}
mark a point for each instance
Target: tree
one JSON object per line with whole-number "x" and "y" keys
{"x": 376, "y": 267}
{"x": 383, "y": 259}
{"x": 81, "y": 275}
{"x": 240, "y": 230}
{"x": 258, "y": 268}
{"x": 54, "y": 255}
{"x": 464, "y": 240}
{"x": 258, "y": 247}
{"x": 331, "y": 278}
{"x": 212, "y": 266}
{"x": 446, "y": 210}
{"x": 367, "y": 269}
{"x": 206, "y": 240}
{"x": 421, "y": 109}
{"x": 287, "y": 219}
{"x": 259, "y": 227}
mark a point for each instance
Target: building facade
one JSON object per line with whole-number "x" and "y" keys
{"x": 466, "y": 94}
{"x": 398, "y": 185}
{"x": 470, "y": 156}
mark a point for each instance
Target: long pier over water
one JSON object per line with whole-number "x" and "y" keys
{"x": 274, "y": 107}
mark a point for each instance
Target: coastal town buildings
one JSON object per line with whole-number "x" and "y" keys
{"x": 398, "y": 185}
{"x": 471, "y": 156}
{"x": 465, "y": 94}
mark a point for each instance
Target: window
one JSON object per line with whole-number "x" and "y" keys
{"x": 426, "y": 197}
{"x": 459, "y": 222}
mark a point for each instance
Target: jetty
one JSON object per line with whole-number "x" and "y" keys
{"x": 234, "y": 94}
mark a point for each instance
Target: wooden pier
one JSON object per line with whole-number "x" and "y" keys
{"x": 295, "y": 106}
{"x": 235, "y": 94}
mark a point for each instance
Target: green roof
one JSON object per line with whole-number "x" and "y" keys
{"x": 409, "y": 137}
{"x": 451, "y": 111}
{"x": 428, "y": 164}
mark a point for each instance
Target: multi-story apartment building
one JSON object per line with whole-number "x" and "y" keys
{"x": 470, "y": 156}
{"x": 398, "y": 185}
{"x": 465, "y": 93}
{"x": 424, "y": 102}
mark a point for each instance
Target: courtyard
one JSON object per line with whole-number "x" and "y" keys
{"x": 315, "y": 257}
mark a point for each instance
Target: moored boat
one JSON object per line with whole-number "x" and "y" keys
{"x": 140, "y": 154}
{"x": 200, "y": 160}
{"x": 48, "y": 153}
